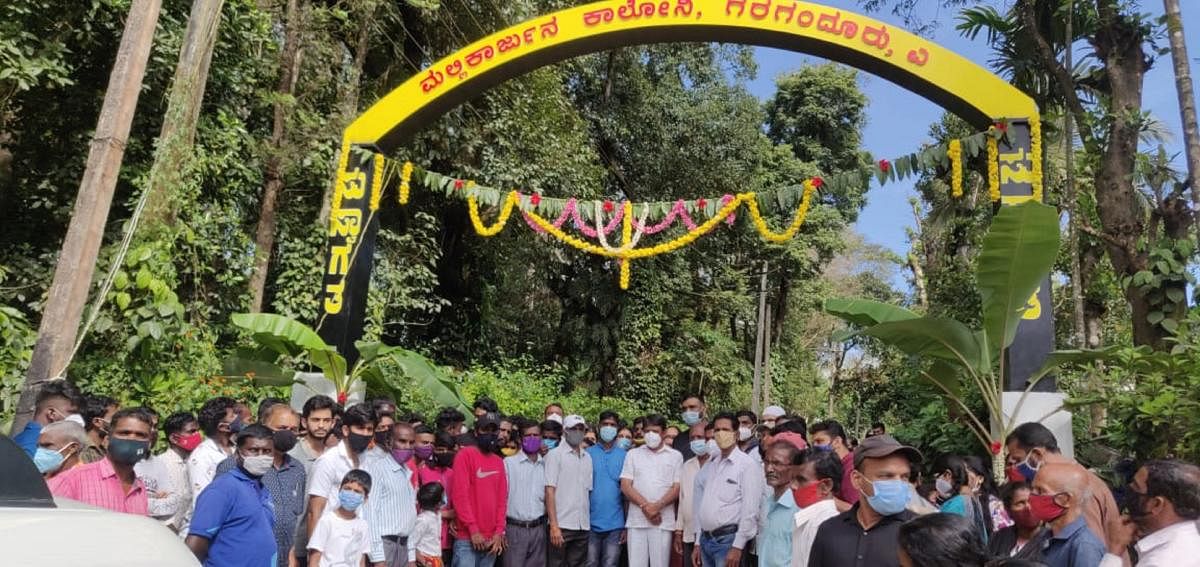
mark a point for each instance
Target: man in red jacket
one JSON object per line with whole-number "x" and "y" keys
{"x": 480, "y": 497}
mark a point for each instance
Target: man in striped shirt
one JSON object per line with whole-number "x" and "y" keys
{"x": 525, "y": 531}
{"x": 391, "y": 511}
{"x": 110, "y": 482}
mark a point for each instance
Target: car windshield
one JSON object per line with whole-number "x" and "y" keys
{"x": 21, "y": 486}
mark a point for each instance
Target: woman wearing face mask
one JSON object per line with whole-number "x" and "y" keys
{"x": 436, "y": 465}
{"x": 1023, "y": 539}
{"x": 956, "y": 486}
{"x": 58, "y": 448}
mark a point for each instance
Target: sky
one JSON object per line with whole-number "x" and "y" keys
{"x": 898, "y": 120}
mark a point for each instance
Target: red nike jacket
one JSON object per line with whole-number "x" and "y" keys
{"x": 480, "y": 493}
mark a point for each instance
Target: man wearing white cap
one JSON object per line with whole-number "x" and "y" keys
{"x": 771, "y": 415}
{"x": 568, "y": 484}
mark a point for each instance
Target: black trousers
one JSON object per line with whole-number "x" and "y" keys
{"x": 573, "y": 553}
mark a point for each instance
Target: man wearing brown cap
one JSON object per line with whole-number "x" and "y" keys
{"x": 867, "y": 534}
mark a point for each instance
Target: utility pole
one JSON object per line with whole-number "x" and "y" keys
{"x": 77, "y": 259}
{"x": 1187, "y": 97}
{"x": 758, "y": 343}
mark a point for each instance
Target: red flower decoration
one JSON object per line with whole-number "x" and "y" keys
{"x": 996, "y": 447}
{"x": 701, "y": 203}
{"x": 885, "y": 165}
{"x": 535, "y": 199}
{"x": 608, "y": 206}
{"x": 458, "y": 184}
{"x": 1002, "y": 126}
{"x": 818, "y": 182}
{"x": 341, "y": 398}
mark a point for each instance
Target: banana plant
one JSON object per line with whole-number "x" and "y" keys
{"x": 1017, "y": 253}
{"x": 284, "y": 344}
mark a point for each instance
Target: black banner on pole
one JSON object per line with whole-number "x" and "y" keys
{"x": 350, "y": 250}
{"x": 1035, "y": 334}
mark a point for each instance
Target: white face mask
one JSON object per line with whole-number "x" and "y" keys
{"x": 653, "y": 440}
{"x": 258, "y": 465}
{"x": 745, "y": 433}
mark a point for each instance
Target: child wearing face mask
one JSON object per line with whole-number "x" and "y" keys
{"x": 341, "y": 537}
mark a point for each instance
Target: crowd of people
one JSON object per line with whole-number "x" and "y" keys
{"x": 372, "y": 485}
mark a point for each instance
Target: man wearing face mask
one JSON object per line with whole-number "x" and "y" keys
{"x": 57, "y": 401}
{"x": 480, "y": 497}
{"x": 97, "y": 421}
{"x": 606, "y": 502}
{"x": 58, "y": 449}
{"x": 831, "y": 436}
{"x": 814, "y": 486}
{"x": 525, "y": 517}
{"x": 285, "y": 480}
{"x": 358, "y": 430}
{"x": 391, "y": 512}
{"x": 747, "y": 442}
{"x": 111, "y": 483}
{"x": 233, "y": 519}
{"x": 1031, "y": 446}
{"x": 867, "y": 534}
{"x": 698, "y": 436}
{"x": 219, "y": 423}
{"x": 183, "y": 436}
{"x": 650, "y": 481}
{"x": 568, "y": 507}
{"x": 1164, "y": 507}
{"x": 1059, "y": 493}
{"x": 729, "y": 491}
{"x": 693, "y": 411}
{"x": 771, "y": 415}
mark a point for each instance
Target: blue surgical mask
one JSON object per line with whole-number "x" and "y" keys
{"x": 891, "y": 496}
{"x": 350, "y": 500}
{"x": 691, "y": 417}
{"x": 699, "y": 446}
{"x": 550, "y": 443}
{"x": 608, "y": 433}
{"x": 826, "y": 447}
{"x": 1026, "y": 469}
{"x": 48, "y": 460}
{"x": 625, "y": 443}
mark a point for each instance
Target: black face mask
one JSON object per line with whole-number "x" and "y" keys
{"x": 284, "y": 440}
{"x": 486, "y": 442}
{"x": 358, "y": 443}
{"x": 383, "y": 438}
{"x": 443, "y": 460}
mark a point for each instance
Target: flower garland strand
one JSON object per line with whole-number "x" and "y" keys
{"x": 801, "y": 212}
{"x": 506, "y": 209}
{"x": 377, "y": 184}
{"x": 405, "y": 182}
{"x": 993, "y": 166}
{"x": 1035, "y": 145}
{"x": 626, "y": 235}
{"x": 954, "y": 152}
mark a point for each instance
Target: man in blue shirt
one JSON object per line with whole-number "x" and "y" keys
{"x": 57, "y": 400}
{"x": 777, "y": 519}
{"x": 607, "y": 504}
{"x": 1058, "y": 498}
{"x": 233, "y": 520}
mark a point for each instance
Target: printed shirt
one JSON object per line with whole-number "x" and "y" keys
{"x": 392, "y": 508}
{"x": 202, "y": 466}
{"x": 427, "y": 474}
{"x": 480, "y": 493}
{"x": 686, "y": 516}
{"x": 98, "y": 484}
{"x": 776, "y": 524}
{"x": 1177, "y": 545}
{"x": 842, "y": 542}
{"x": 570, "y": 473}
{"x": 164, "y": 500}
{"x": 236, "y": 515}
{"x": 606, "y": 502}
{"x": 286, "y": 487}
{"x": 729, "y": 490}
{"x": 1074, "y": 546}
{"x": 526, "y": 487}
{"x": 653, "y": 473}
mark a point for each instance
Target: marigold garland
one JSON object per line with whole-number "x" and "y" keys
{"x": 993, "y": 165}
{"x": 801, "y": 213}
{"x": 954, "y": 152}
{"x": 1035, "y": 144}
{"x": 506, "y": 209}
{"x": 405, "y": 182}
{"x": 626, "y": 235}
{"x": 377, "y": 184}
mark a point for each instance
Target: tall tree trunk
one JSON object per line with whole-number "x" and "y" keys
{"x": 174, "y": 152}
{"x": 1187, "y": 97}
{"x": 264, "y": 234}
{"x": 77, "y": 260}
{"x": 348, "y": 101}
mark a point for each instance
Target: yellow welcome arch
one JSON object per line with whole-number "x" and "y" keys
{"x": 918, "y": 65}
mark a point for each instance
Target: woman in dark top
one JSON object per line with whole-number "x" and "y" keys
{"x": 1023, "y": 539}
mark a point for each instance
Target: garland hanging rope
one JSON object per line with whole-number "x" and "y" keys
{"x": 655, "y": 217}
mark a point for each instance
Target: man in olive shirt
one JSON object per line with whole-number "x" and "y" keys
{"x": 867, "y": 534}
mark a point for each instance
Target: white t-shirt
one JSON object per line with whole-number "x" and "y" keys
{"x": 342, "y": 542}
{"x": 426, "y": 536}
{"x": 653, "y": 474}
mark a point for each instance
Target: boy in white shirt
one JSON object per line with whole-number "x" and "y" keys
{"x": 340, "y": 538}
{"x": 425, "y": 541}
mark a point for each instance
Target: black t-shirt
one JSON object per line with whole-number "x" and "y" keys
{"x": 841, "y": 541}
